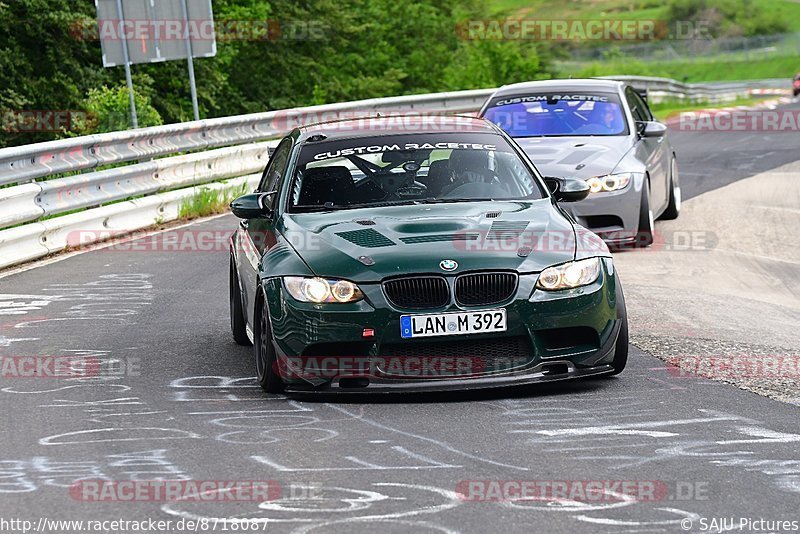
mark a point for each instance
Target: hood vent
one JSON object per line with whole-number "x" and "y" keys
{"x": 493, "y": 214}
{"x": 578, "y": 156}
{"x": 506, "y": 229}
{"x": 439, "y": 238}
{"x": 367, "y": 238}
{"x": 365, "y": 222}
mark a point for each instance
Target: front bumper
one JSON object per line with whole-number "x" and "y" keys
{"x": 551, "y": 336}
{"x": 613, "y": 216}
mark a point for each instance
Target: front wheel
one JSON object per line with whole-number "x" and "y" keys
{"x": 674, "y": 206}
{"x": 238, "y": 324}
{"x": 266, "y": 360}
{"x": 621, "y": 347}
{"x": 644, "y": 237}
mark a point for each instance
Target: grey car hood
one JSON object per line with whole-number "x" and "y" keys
{"x": 581, "y": 157}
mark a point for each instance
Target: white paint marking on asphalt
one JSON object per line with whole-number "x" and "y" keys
{"x": 778, "y": 208}
{"x": 362, "y": 465}
{"x": 121, "y": 387}
{"x": 625, "y": 429}
{"x": 436, "y": 442}
{"x": 600, "y": 431}
{"x": 764, "y": 435}
{"x": 126, "y": 434}
{"x": 7, "y": 341}
{"x": 632, "y": 523}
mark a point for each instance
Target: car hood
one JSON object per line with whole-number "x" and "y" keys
{"x": 368, "y": 245}
{"x": 581, "y": 157}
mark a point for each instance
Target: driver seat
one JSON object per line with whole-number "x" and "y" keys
{"x": 438, "y": 177}
{"x": 327, "y": 184}
{"x": 468, "y": 164}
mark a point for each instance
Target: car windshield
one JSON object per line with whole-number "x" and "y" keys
{"x": 410, "y": 169}
{"x": 558, "y": 114}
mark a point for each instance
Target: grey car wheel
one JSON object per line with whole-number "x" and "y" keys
{"x": 674, "y": 206}
{"x": 644, "y": 237}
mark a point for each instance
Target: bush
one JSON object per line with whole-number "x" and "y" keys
{"x": 728, "y": 18}
{"x": 484, "y": 64}
{"x": 108, "y": 110}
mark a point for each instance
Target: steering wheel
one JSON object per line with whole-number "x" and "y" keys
{"x": 411, "y": 191}
{"x": 487, "y": 177}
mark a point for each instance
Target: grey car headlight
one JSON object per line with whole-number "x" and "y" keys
{"x": 609, "y": 182}
{"x": 569, "y": 275}
{"x": 320, "y": 290}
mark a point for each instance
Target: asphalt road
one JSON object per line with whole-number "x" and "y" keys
{"x": 176, "y": 400}
{"x": 712, "y": 159}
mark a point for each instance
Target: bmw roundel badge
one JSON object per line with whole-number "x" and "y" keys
{"x": 448, "y": 265}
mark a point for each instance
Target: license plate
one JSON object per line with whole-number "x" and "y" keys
{"x": 452, "y": 324}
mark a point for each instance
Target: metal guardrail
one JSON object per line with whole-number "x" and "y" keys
{"x": 60, "y": 195}
{"x": 660, "y": 89}
{"x": 169, "y": 181}
{"x": 25, "y": 163}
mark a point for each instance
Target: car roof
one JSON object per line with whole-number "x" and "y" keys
{"x": 396, "y": 124}
{"x": 580, "y": 84}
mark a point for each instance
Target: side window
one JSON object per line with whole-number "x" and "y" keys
{"x": 638, "y": 106}
{"x": 275, "y": 167}
{"x": 645, "y": 109}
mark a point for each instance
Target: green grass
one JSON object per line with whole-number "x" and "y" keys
{"x": 782, "y": 62}
{"x": 787, "y": 10}
{"x": 694, "y": 71}
{"x": 663, "y": 110}
{"x": 208, "y": 201}
{"x": 578, "y": 9}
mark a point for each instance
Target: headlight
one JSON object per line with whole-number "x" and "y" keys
{"x": 319, "y": 290}
{"x": 610, "y": 182}
{"x": 569, "y": 275}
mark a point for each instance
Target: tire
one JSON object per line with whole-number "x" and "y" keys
{"x": 644, "y": 236}
{"x": 238, "y": 321}
{"x": 674, "y": 206}
{"x": 621, "y": 347}
{"x": 264, "y": 350}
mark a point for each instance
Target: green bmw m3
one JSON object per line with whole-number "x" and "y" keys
{"x": 400, "y": 253}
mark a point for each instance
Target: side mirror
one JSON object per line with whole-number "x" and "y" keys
{"x": 651, "y": 129}
{"x": 567, "y": 189}
{"x": 251, "y": 206}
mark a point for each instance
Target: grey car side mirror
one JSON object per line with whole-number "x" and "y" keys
{"x": 567, "y": 189}
{"x": 651, "y": 129}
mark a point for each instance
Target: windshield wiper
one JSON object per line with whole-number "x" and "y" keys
{"x": 329, "y": 206}
{"x": 383, "y": 203}
{"x": 447, "y": 200}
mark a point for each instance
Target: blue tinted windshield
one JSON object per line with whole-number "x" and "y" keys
{"x": 553, "y": 114}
